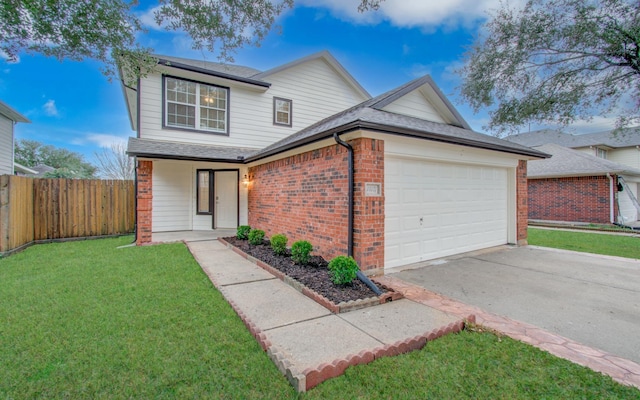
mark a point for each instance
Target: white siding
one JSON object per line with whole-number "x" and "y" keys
{"x": 414, "y": 104}
{"x": 174, "y": 195}
{"x": 316, "y": 89}
{"x": 629, "y": 156}
{"x": 6, "y": 146}
{"x": 173, "y": 185}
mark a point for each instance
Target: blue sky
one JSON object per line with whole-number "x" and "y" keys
{"x": 72, "y": 105}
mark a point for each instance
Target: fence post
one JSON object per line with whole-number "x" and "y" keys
{"x": 4, "y": 212}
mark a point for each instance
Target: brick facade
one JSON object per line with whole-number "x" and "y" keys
{"x": 576, "y": 199}
{"x": 144, "y": 202}
{"x": 305, "y": 196}
{"x": 522, "y": 203}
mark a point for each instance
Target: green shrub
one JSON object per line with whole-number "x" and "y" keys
{"x": 300, "y": 251}
{"x": 279, "y": 244}
{"x": 343, "y": 270}
{"x": 256, "y": 236}
{"x": 243, "y": 232}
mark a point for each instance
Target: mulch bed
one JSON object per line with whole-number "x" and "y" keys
{"x": 314, "y": 275}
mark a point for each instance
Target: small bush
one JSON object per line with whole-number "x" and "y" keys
{"x": 300, "y": 251}
{"x": 279, "y": 244}
{"x": 243, "y": 232}
{"x": 256, "y": 236}
{"x": 343, "y": 270}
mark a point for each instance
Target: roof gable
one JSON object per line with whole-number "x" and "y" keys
{"x": 11, "y": 114}
{"x": 327, "y": 58}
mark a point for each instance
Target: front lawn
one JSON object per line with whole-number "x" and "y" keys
{"x": 613, "y": 245}
{"x": 87, "y": 320}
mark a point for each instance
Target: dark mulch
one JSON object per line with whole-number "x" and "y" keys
{"x": 314, "y": 275}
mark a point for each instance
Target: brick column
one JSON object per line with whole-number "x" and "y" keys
{"x": 522, "y": 217}
{"x": 368, "y": 236}
{"x": 144, "y": 201}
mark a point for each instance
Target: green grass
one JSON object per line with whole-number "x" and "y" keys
{"x": 88, "y": 320}
{"x": 613, "y": 245}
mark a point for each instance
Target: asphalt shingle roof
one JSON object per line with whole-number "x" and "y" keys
{"x": 186, "y": 151}
{"x": 568, "y": 162}
{"x": 622, "y": 138}
{"x": 231, "y": 69}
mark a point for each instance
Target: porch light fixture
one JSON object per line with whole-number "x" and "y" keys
{"x": 245, "y": 180}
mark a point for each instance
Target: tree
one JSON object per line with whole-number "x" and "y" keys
{"x": 67, "y": 164}
{"x": 115, "y": 163}
{"x": 555, "y": 62}
{"x": 107, "y": 30}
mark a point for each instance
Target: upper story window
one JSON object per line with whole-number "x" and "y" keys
{"x": 282, "y": 111}
{"x": 602, "y": 153}
{"x": 193, "y": 105}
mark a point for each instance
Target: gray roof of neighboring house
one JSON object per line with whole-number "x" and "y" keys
{"x": 186, "y": 151}
{"x": 566, "y": 162}
{"x": 615, "y": 138}
{"x": 368, "y": 115}
{"x": 22, "y": 169}
{"x": 42, "y": 169}
{"x": 11, "y": 113}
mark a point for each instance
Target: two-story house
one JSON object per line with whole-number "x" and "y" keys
{"x": 8, "y": 118}
{"x": 303, "y": 149}
{"x": 591, "y": 178}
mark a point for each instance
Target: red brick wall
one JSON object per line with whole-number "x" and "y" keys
{"x": 578, "y": 199}
{"x": 521, "y": 203}
{"x": 144, "y": 202}
{"x": 369, "y": 210}
{"x": 306, "y": 197}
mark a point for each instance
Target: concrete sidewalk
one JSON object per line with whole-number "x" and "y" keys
{"x": 308, "y": 343}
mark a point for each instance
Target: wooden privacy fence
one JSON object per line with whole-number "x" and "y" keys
{"x": 33, "y": 210}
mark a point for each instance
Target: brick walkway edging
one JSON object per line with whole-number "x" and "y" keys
{"x": 621, "y": 370}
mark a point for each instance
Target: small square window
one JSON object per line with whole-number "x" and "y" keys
{"x": 282, "y": 111}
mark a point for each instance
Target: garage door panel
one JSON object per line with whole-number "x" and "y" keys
{"x": 462, "y": 208}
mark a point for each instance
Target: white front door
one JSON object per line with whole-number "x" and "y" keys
{"x": 226, "y": 199}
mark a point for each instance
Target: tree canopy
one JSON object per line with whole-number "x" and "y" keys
{"x": 556, "y": 62}
{"x": 67, "y": 164}
{"x": 107, "y": 30}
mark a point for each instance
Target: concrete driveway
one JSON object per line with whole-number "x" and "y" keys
{"x": 594, "y": 300}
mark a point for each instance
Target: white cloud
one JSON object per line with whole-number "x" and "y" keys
{"x": 413, "y": 13}
{"x": 50, "y": 108}
{"x": 148, "y": 18}
{"x": 103, "y": 139}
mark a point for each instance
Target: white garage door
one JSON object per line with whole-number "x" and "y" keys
{"x": 435, "y": 209}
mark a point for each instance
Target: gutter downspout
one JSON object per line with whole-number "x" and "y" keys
{"x": 611, "y": 199}
{"x": 135, "y": 199}
{"x": 359, "y": 274}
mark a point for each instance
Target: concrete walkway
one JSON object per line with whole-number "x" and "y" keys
{"x": 307, "y": 343}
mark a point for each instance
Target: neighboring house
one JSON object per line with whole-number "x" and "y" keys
{"x": 8, "y": 118}
{"x": 38, "y": 171}
{"x": 616, "y": 153}
{"x": 573, "y": 186}
{"x": 221, "y": 145}
{"x": 21, "y": 170}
